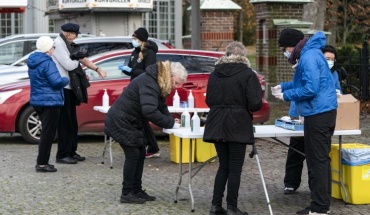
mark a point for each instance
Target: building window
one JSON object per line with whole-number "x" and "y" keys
{"x": 11, "y": 23}
{"x": 161, "y": 21}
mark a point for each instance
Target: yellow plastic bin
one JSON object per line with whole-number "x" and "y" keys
{"x": 204, "y": 151}
{"x": 356, "y": 179}
{"x": 175, "y": 149}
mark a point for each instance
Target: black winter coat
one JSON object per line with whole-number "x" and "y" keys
{"x": 149, "y": 58}
{"x": 140, "y": 102}
{"x": 233, "y": 92}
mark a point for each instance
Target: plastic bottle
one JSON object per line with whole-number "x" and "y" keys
{"x": 105, "y": 99}
{"x": 176, "y": 100}
{"x": 191, "y": 100}
{"x": 185, "y": 119}
{"x": 195, "y": 122}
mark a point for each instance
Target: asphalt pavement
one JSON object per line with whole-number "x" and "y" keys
{"x": 92, "y": 188}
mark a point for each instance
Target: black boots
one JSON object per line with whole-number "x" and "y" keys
{"x": 232, "y": 210}
{"x": 217, "y": 210}
{"x": 131, "y": 199}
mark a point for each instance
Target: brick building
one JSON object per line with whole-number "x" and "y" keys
{"x": 217, "y": 25}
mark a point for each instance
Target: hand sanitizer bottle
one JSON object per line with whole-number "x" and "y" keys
{"x": 195, "y": 122}
{"x": 185, "y": 119}
{"x": 176, "y": 100}
{"x": 105, "y": 99}
{"x": 190, "y": 100}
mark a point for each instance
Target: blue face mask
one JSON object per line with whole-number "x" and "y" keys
{"x": 135, "y": 43}
{"x": 287, "y": 54}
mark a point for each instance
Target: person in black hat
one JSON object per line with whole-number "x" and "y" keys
{"x": 314, "y": 94}
{"x": 144, "y": 54}
{"x": 68, "y": 126}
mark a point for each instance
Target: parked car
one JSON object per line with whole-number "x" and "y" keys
{"x": 17, "y": 70}
{"x": 17, "y": 116}
{"x": 16, "y": 46}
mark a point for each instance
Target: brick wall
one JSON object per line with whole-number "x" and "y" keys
{"x": 269, "y": 58}
{"x": 217, "y": 30}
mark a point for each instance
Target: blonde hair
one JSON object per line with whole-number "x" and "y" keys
{"x": 142, "y": 48}
{"x": 166, "y": 70}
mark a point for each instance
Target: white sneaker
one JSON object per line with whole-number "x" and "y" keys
{"x": 315, "y": 213}
{"x": 152, "y": 155}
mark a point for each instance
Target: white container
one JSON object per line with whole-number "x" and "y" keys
{"x": 105, "y": 99}
{"x": 176, "y": 100}
{"x": 195, "y": 122}
{"x": 185, "y": 119}
{"x": 191, "y": 100}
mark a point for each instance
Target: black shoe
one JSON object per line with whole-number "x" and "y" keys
{"x": 78, "y": 157}
{"x": 217, "y": 210}
{"x": 289, "y": 190}
{"x": 45, "y": 168}
{"x": 132, "y": 199}
{"x": 143, "y": 195}
{"x": 232, "y": 210}
{"x": 67, "y": 160}
{"x": 305, "y": 211}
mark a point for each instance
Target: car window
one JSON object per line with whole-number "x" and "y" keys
{"x": 100, "y": 47}
{"x": 11, "y": 52}
{"x": 185, "y": 60}
{"x": 110, "y": 66}
{"x": 206, "y": 64}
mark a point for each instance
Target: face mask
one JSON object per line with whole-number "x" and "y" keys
{"x": 287, "y": 54}
{"x": 330, "y": 63}
{"x": 135, "y": 43}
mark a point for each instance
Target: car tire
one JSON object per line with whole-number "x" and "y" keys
{"x": 30, "y": 125}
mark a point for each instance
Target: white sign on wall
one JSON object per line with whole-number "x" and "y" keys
{"x": 13, "y": 3}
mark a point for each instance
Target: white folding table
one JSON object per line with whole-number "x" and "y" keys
{"x": 261, "y": 131}
{"x": 109, "y": 140}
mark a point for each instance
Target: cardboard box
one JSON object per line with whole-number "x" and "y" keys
{"x": 348, "y": 113}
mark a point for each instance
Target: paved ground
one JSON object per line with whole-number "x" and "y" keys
{"x": 90, "y": 188}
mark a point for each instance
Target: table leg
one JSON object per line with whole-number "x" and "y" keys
{"x": 180, "y": 173}
{"x": 105, "y": 147}
{"x": 340, "y": 171}
{"x": 190, "y": 175}
{"x": 110, "y": 152}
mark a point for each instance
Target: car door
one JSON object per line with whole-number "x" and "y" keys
{"x": 115, "y": 81}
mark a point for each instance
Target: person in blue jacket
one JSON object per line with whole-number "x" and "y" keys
{"x": 314, "y": 94}
{"x": 46, "y": 97}
{"x": 294, "y": 162}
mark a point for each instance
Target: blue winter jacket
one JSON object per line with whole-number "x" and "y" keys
{"x": 313, "y": 86}
{"x": 46, "y": 83}
{"x": 293, "y": 111}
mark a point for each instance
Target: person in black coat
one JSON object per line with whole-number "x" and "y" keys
{"x": 143, "y": 100}
{"x": 233, "y": 93}
{"x": 144, "y": 55}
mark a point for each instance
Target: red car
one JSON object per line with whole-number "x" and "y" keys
{"x": 17, "y": 116}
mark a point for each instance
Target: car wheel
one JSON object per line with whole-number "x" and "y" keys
{"x": 30, "y": 125}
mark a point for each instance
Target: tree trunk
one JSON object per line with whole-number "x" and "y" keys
{"x": 333, "y": 23}
{"x": 315, "y": 12}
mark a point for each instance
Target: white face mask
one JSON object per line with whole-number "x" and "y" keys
{"x": 330, "y": 63}
{"x": 287, "y": 54}
{"x": 135, "y": 43}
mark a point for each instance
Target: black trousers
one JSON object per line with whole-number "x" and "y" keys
{"x": 68, "y": 127}
{"x": 294, "y": 163}
{"x": 231, "y": 158}
{"x": 318, "y": 130}
{"x": 133, "y": 169}
{"x": 150, "y": 139}
{"x": 49, "y": 117}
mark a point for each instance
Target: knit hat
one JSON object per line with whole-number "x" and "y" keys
{"x": 44, "y": 43}
{"x": 142, "y": 34}
{"x": 290, "y": 37}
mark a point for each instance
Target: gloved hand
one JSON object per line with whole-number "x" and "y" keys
{"x": 276, "y": 90}
{"x": 176, "y": 125}
{"x": 338, "y": 93}
{"x": 279, "y": 96}
{"x": 124, "y": 68}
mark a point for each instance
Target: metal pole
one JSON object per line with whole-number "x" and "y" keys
{"x": 364, "y": 70}
{"x": 195, "y": 24}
